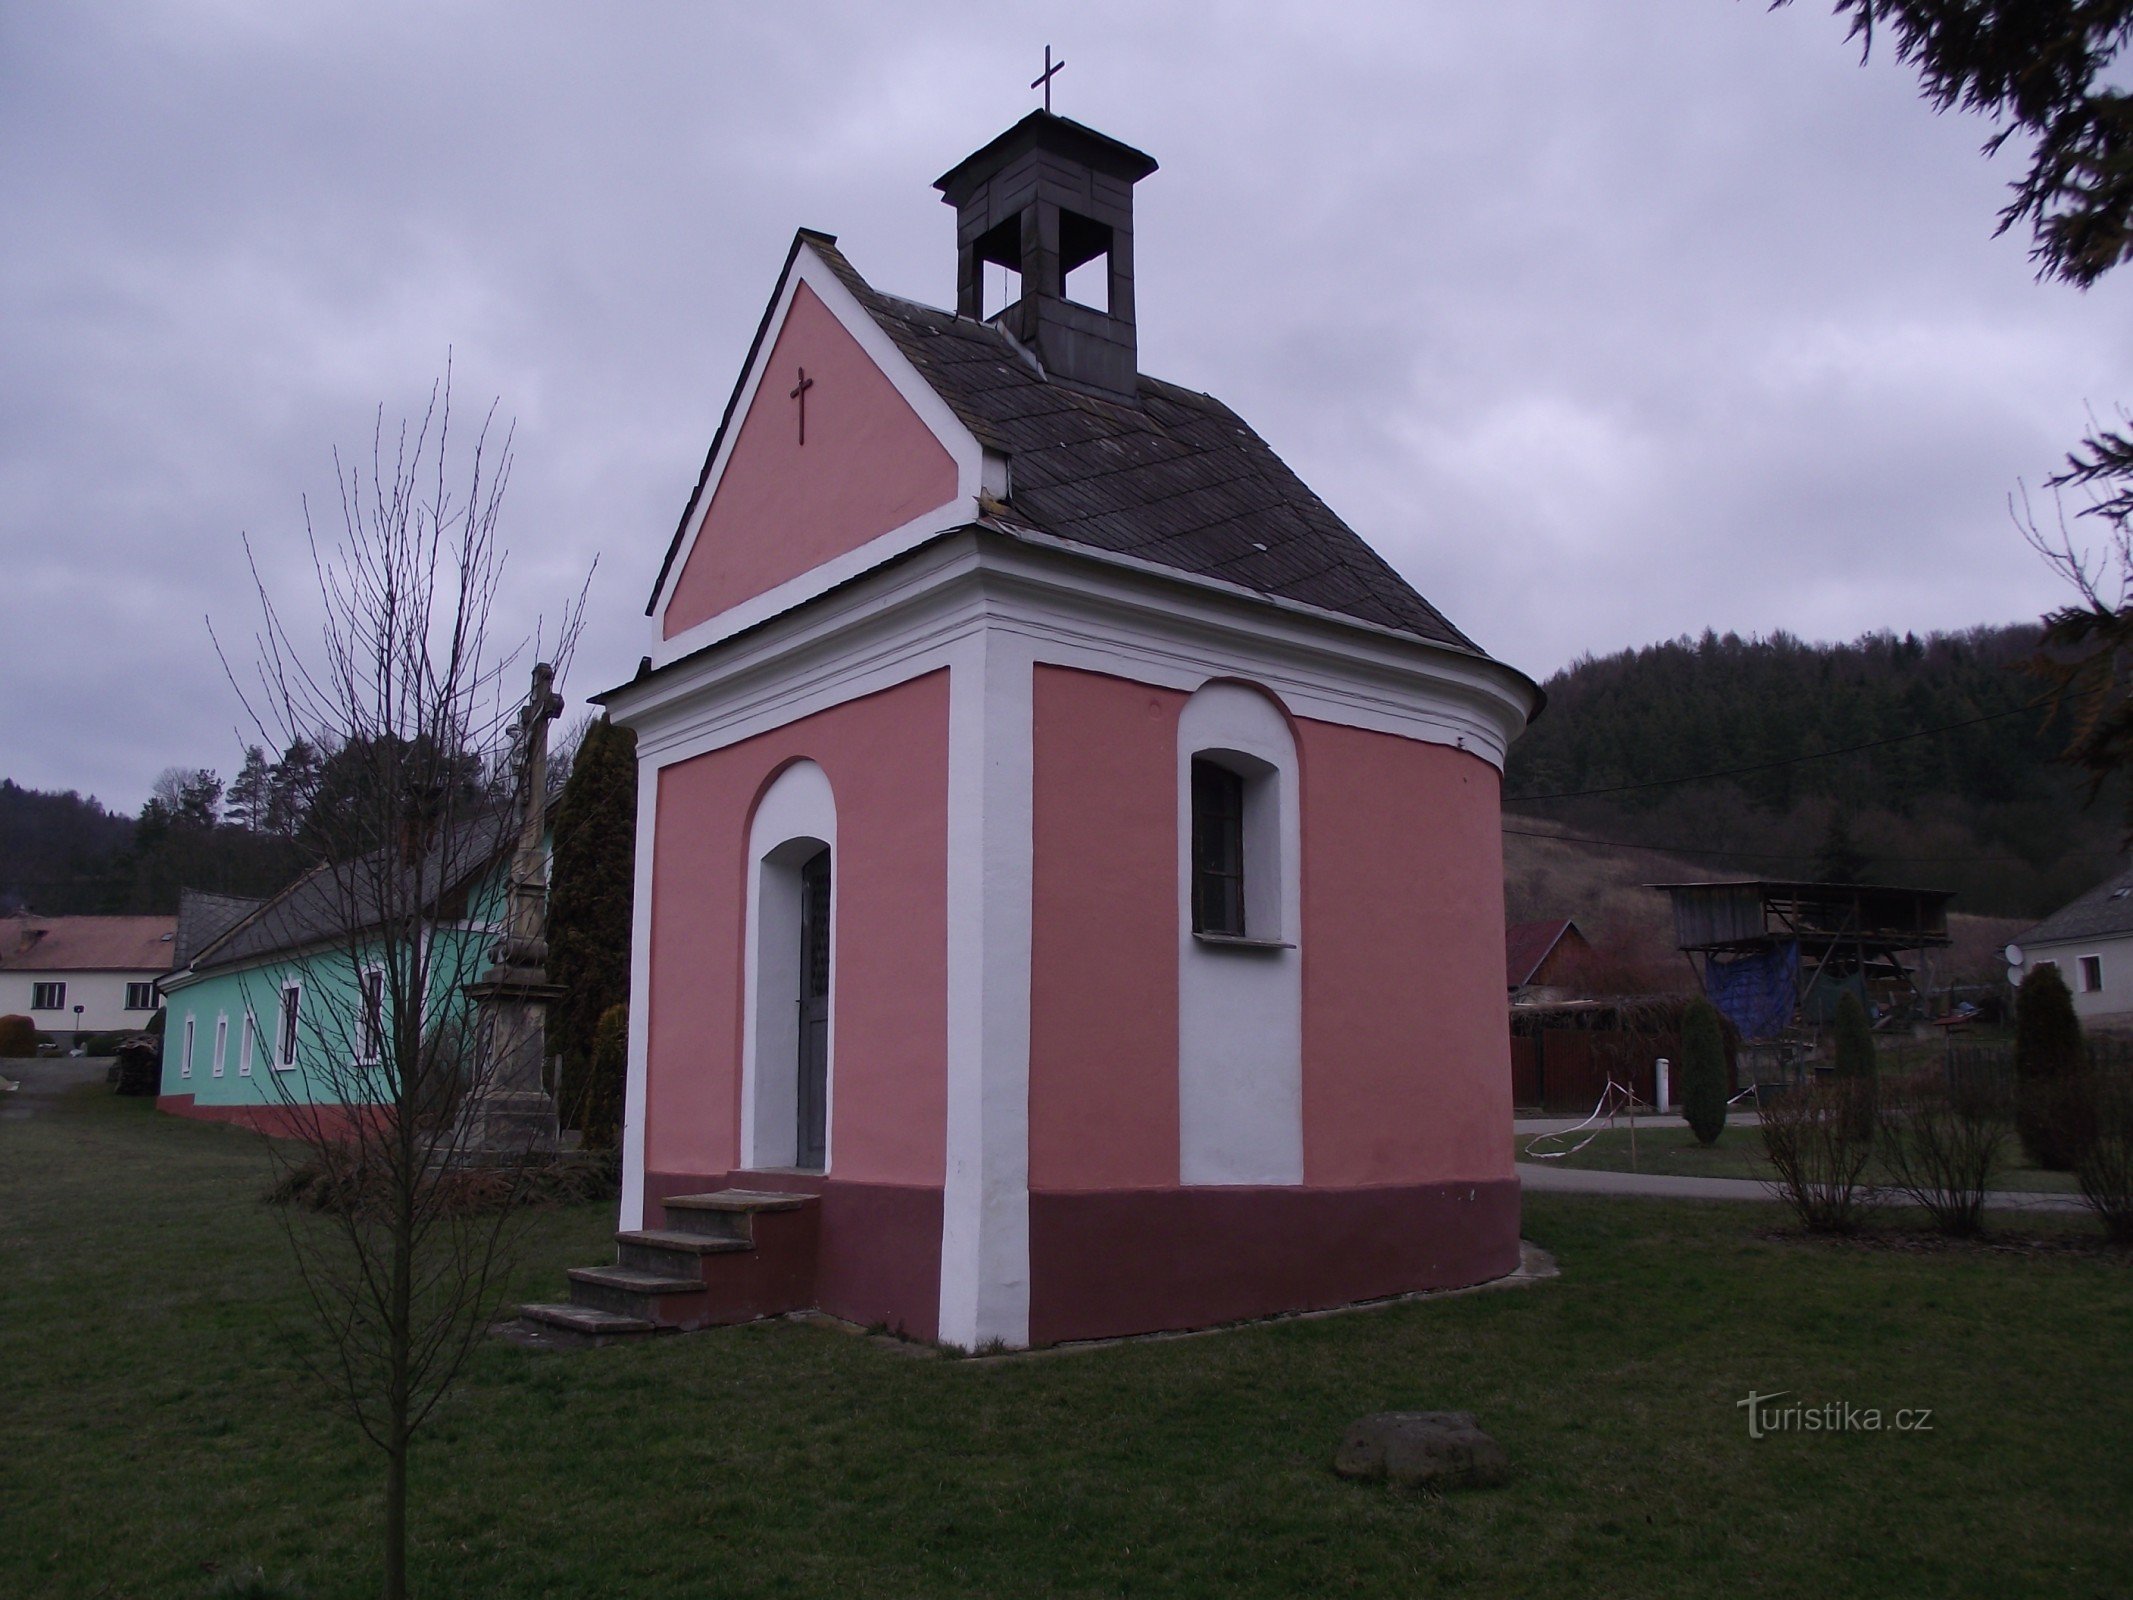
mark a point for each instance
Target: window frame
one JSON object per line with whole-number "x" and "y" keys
{"x": 370, "y": 1016}
{"x": 134, "y": 990}
{"x": 288, "y": 1029}
{"x": 246, "y": 1040}
{"x": 185, "y": 1057}
{"x": 2090, "y": 966}
{"x": 55, "y": 988}
{"x": 222, "y": 1041}
{"x": 1220, "y": 905}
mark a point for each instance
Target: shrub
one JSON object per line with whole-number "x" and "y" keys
{"x": 1941, "y": 1146}
{"x": 2051, "y": 1072}
{"x": 600, "y": 1110}
{"x": 18, "y": 1036}
{"x": 335, "y": 1183}
{"x": 1812, "y": 1139}
{"x": 1856, "y": 1064}
{"x": 2105, "y": 1168}
{"x": 1703, "y": 1071}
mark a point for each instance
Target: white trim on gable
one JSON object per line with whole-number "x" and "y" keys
{"x": 973, "y": 471}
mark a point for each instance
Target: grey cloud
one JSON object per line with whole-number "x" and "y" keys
{"x": 1603, "y": 322}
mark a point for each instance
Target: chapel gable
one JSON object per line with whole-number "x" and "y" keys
{"x": 824, "y": 454}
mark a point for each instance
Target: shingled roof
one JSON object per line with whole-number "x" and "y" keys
{"x": 2104, "y": 911}
{"x": 86, "y": 944}
{"x": 1172, "y": 477}
{"x": 336, "y": 899}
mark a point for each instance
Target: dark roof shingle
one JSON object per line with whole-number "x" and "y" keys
{"x": 1172, "y": 477}
{"x": 2105, "y": 910}
{"x": 1176, "y": 478}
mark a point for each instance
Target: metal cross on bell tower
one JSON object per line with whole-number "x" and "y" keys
{"x": 1043, "y": 79}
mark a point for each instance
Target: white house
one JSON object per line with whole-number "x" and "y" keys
{"x": 2090, "y": 941}
{"x": 72, "y": 975}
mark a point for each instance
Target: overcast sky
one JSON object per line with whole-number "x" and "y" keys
{"x": 1603, "y": 322}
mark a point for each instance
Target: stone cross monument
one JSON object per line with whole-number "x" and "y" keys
{"x": 510, "y": 1113}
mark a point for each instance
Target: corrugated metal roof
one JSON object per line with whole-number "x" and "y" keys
{"x": 2106, "y": 909}
{"x": 87, "y": 944}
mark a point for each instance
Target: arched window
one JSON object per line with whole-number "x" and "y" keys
{"x": 788, "y": 1067}
{"x": 1240, "y": 983}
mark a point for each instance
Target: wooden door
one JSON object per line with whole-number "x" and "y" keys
{"x": 812, "y": 1144}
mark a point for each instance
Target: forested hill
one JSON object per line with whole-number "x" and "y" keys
{"x": 1983, "y": 809}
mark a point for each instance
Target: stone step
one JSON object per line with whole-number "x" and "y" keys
{"x": 739, "y": 1200}
{"x": 585, "y": 1324}
{"x": 727, "y": 1213}
{"x": 628, "y": 1291}
{"x": 669, "y": 1253}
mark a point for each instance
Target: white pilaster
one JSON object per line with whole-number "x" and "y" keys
{"x": 985, "y": 1276}
{"x": 633, "y": 1094}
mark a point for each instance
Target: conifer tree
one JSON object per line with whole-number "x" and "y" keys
{"x": 2051, "y": 1068}
{"x": 1703, "y": 1071}
{"x": 1857, "y": 1063}
{"x": 589, "y": 922}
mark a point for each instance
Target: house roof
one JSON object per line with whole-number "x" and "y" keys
{"x": 203, "y": 918}
{"x": 2105, "y": 910}
{"x": 1172, "y": 477}
{"x": 335, "y": 899}
{"x": 87, "y": 944}
{"x": 1527, "y": 944}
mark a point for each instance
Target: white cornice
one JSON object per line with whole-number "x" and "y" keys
{"x": 1126, "y": 618}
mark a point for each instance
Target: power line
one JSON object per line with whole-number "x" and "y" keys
{"x": 1789, "y": 761}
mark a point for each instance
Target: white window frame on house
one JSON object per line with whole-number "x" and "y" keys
{"x": 370, "y": 1016}
{"x": 185, "y": 1054}
{"x": 141, "y": 996}
{"x": 2091, "y": 969}
{"x": 50, "y": 996}
{"x": 222, "y": 1040}
{"x": 288, "y": 1025}
{"x": 245, "y": 1038}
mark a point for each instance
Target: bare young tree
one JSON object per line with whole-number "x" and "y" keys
{"x": 385, "y": 1081}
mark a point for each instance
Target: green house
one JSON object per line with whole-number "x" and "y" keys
{"x": 287, "y": 1003}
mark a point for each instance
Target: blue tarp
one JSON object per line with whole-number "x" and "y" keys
{"x": 1756, "y": 993}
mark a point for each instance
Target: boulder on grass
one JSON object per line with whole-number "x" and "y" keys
{"x": 1422, "y": 1449}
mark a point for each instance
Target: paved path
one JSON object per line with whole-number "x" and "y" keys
{"x": 1547, "y": 1177}
{"x": 41, "y": 1080}
{"x": 1736, "y": 1116}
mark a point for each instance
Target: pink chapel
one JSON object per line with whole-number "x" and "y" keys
{"x": 1069, "y": 878}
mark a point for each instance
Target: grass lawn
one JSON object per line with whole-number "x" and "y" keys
{"x": 157, "y": 1429}
{"x": 1674, "y": 1152}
